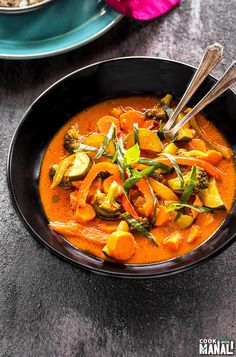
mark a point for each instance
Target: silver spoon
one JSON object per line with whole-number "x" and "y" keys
{"x": 212, "y": 56}
{"x": 228, "y": 78}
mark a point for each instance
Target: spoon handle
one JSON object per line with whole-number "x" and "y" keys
{"x": 212, "y": 56}
{"x": 228, "y": 78}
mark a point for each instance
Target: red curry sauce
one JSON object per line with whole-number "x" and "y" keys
{"x": 56, "y": 202}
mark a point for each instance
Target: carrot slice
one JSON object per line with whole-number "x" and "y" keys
{"x": 128, "y": 119}
{"x": 214, "y": 157}
{"x": 148, "y": 207}
{"x": 104, "y": 124}
{"x": 85, "y": 214}
{"x": 94, "y": 171}
{"x": 163, "y": 216}
{"x": 120, "y": 245}
{"x": 109, "y": 226}
{"x": 197, "y": 144}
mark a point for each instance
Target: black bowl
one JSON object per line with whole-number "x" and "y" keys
{"x": 103, "y": 80}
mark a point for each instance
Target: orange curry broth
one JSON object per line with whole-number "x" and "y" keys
{"x": 145, "y": 251}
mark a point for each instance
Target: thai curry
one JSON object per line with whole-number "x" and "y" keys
{"x": 112, "y": 185}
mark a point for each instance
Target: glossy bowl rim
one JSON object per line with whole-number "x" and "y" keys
{"x": 101, "y": 271}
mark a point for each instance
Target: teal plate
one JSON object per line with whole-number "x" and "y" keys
{"x": 57, "y": 28}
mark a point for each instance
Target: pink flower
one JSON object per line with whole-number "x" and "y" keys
{"x": 143, "y": 9}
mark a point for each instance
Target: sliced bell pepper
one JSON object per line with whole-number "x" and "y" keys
{"x": 128, "y": 207}
{"x": 191, "y": 161}
{"x": 71, "y": 229}
{"x": 148, "y": 207}
{"x": 94, "y": 171}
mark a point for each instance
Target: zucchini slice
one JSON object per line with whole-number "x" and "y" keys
{"x": 185, "y": 221}
{"x": 210, "y": 196}
{"x": 148, "y": 140}
{"x": 96, "y": 140}
{"x": 80, "y": 166}
{"x": 184, "y": 134}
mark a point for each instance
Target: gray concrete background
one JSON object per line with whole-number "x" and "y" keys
{"x": 49, "y": 308}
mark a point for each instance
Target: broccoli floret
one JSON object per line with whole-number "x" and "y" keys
{"x": 156, "y": 113}
{"x": 202, "y": 181}
{"x": 105, "y": 205}
{"x": 72, "y": 138}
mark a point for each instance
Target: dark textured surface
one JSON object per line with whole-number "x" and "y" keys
{"x": 49, "y": 308}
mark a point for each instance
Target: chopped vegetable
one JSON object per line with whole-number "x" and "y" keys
{"x": 109, "y": 138}
{"x": 72, "y": 138}
{"x": 197, "y": 144}
{"x": 136, "y": 176}
{"x": 108, "y": 226}
{"x": 184, "y": 134}
{"x": 212, "y": 156}
{"x": 201, "y": 181}
{"x": 72, "y": 229}
{"x": 170, "y": 148}
{"x": 197, "y": 202}
{"x": 119, "y": 158}
{"x": 80, "y": 166}
{"x": 207, "y": 219}
{"x": 176, "y": 167}
{"x": 117, "y": 111}
{"x": 128, "y": 119}
{"x": 148, "y": 208}
{"x": 162, "y": 190}
{"x": 167, "y": 99}
{"x": 128, "y": 206}
{"x": 189, "y": 161}
{"x": 107, "y": 184}
{"x": 106, "y": 205}
{"x": 148, "y": 140}
{"x": 188, "y": 190}
{"x": 194, "y": 234}
{"x": 61, "y": 170}
{"x": 211, "y": 196}
{"x": 139, "y": 228}
{"x": 157, "y": 112}
{"x": 96, "y": 185}
{"x": 85, "y": 214}
{"x": 173, "y": 206}
{"x": 174, "y": 241}
{"x": 132, "y": 155}
{"x": 93, "y": 173}
{"x": 185, "y": 221}
{"x": 123, "y": 226}
{"x": 96, "y": 141}
{"x": 225, "y": 151}
{"x": 163, "y": 216}
{"x": 104, "y": 124}
{"x": 120, "y": 246}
